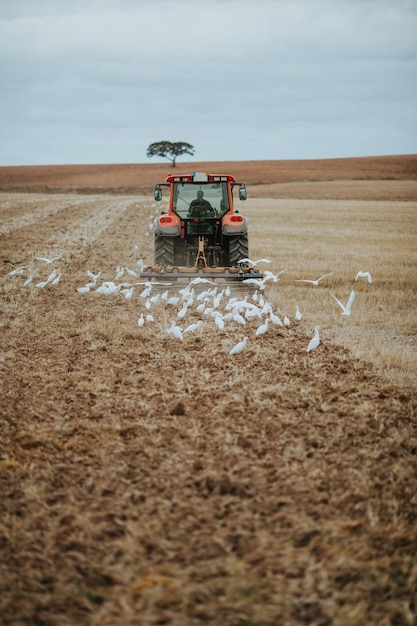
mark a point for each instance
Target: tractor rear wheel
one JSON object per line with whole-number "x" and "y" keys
{"x": 238, "y": 249}
{"x": 164, "y": 250}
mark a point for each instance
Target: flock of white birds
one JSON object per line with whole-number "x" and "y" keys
{"x": 213, "y": 302}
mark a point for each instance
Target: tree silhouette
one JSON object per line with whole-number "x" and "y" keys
{"x": 169, "y": 150}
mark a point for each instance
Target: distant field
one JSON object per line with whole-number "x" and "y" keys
{"x": 334, "y": 178}
{"x": 148, "y": 480}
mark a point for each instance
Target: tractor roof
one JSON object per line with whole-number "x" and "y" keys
{"x": 200, "y": 177}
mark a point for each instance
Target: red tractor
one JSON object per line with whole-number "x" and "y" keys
{"x": 201, "y": 232}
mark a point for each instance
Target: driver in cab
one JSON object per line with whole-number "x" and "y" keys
{"x": 200, "y": 207}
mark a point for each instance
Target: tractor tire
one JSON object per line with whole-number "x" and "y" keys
{"x": 238, "y": 249}
{"x": 164, "y": 250}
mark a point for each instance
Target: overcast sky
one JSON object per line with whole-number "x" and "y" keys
{"x": 97, "y": 81}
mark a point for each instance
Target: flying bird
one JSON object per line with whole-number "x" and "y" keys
{"x": 313, "y": 282}
{"x": 17, "y": 271}
{"x": 254, "y": 263}
{"x": 239, "y": 346}
{"x": 47, "y": 261}
{"x": 314, "y": 342}
{"x": 346, "y": 309}
{"x": 364, "y": 275}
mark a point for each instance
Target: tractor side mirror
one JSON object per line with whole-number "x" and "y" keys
{"x": 157, "y": 194}
{"x": 242, "y": 193}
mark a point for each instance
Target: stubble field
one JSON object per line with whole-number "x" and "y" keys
{"x": 147, "y": 480}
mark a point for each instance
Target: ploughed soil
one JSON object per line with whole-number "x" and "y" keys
{"x": 146, "y": 479}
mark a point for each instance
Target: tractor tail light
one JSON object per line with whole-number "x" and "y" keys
{"x": 236, "y": 218}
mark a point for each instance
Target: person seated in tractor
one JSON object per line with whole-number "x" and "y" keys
{"x": 200, "y": 207}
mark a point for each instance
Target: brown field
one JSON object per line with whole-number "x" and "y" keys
{"x": 147, "y": 481}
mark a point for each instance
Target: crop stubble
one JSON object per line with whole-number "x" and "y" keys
{"x": 145, "y": 481}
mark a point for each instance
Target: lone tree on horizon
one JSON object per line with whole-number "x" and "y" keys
{"x": 169, "y": 150}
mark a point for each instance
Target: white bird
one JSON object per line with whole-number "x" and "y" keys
{"x": 47, "y": 261}
{"x": 141, "y": 320}
{"x": 314, "y": 342}
{"x": 346, "y": 309}
{"x": 127, "y": 293}
{"x": 140, "y": 265}
{"x": 146, "y": 292}
{"x": 364, "y": 275}
{"x": 197, "y": 281}
{"x": 238, "y": 318}
{"x": 175, "y": 331}
{"x": 254, "y": 263}
{"x": 50, "y": 278}
{"x": 84, "y": 289}
{"x": 108, "y": 287}
{"x": 27, "y": 281}
{"x": 314, "y": 282}
{"x": 150, "y": 318}
{"x": 239, "y": 346}
{"x": 17, "y": 271}
{"x": 298, "y": 315}
{"x": 193, "y": 327}
{"x": 287, "y": 321}
{"x": 94, "y": 277}
{"x": 119, "y": 273}
{"x": 183, "y": 311}
{"x": 218, "y": 320}
{"x": 131, "y": 272}
{"x": 261, "y": 330}
{"x": 275, "y": 319}
{"x": 57, "y": 279}
{"x": 274, "y": 277}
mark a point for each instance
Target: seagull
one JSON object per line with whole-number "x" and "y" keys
{"x": 314, "y": 282}
{"x": 298, "y": 315}
{"x": 47, "y": 261}
{"x": 239, "y": 346}
{"x": 314, "y": 342}
{"x": 364, "y": 275}
{"x": 346, "y": 309}
{"x": 261, "y": 330}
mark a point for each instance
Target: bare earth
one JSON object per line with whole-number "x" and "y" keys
{"x": 145, "y": 480}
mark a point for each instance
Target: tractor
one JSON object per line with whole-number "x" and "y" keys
{"x": 201, "y": 231}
